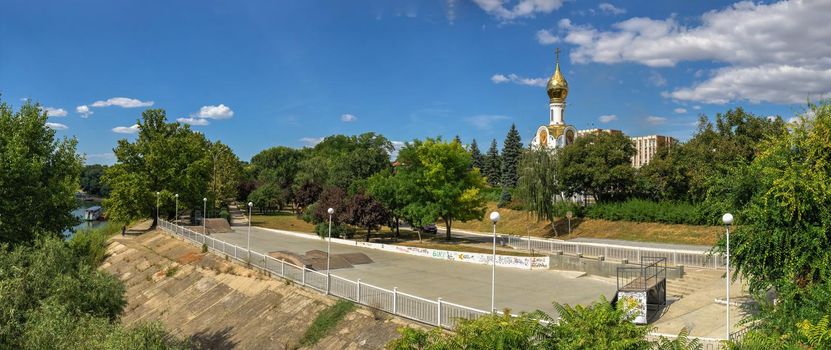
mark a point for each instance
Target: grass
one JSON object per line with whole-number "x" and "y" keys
{"x": 325, "y": 321}
{"x": 646, "y": 232}
{"x": 521, "y": 223}
{"x": 282, "y": 221}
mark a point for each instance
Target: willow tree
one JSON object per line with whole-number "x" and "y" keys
{"x": 537, "y": 183}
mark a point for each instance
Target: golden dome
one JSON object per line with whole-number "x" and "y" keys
{"x": 557, "y": 86}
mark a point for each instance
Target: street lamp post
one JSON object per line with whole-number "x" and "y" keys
{"x": 329, "y": 250}
{"x": 177, "y": 209}
{"x": 157, "y": 207}
{"x": 250, "y": 205}
{"x": 204, "y": 210}
{"x": 494, "y": 219}
{"x": 727, "y": 219}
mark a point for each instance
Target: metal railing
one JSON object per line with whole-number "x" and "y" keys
{"x": 438, "y": 312}
{"x": 434, "y": 312}
{"x": 675, "y": 257}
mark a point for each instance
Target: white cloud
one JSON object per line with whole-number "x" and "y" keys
{"x": 767, "y": 83}
{"x": 193, "y": 121}
{"x": 84, "y": 111}
{"x": 214, "y": 112}
{"x": 311, "y": 141}
{"x": 545, "y": 37}
{"x": 607, "y": 118}
{"x": 655, "y": 120}
{"x": 54, "y": 112}
{"x": 348, "y": 118}
{"x": 506, "y": 11}
{"x": 56, "y": 126}
{"x": 396, "y": 146}
{"x": 777, "y": 52}
{"x": 513, "y": 78}
{"x": 680, "y": 110}
{"x": 123, "y": 102}
{"x": 611, "y": 9}
{"x": 485, "y": 122}
{"x": 126, "y": 129}
{"x": 657, "y": 79}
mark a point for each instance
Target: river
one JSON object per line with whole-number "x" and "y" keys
{"x": 79, "y": 213}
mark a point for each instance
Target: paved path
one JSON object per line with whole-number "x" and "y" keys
{"x": 238, "y": 217}
{"x": 460, "y": 283}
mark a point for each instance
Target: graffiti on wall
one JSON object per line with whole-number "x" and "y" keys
{"x": 635, "y": 305}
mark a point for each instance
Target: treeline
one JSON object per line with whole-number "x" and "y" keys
{"x": 692, "y": 182}
{"x": 52, "y": 295}
{"x": 774, "y": 177}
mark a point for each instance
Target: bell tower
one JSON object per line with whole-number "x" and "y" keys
{"x": 557, "y": 89}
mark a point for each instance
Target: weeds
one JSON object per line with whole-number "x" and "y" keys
{"x": 171, "y": 271}
{"x": 325, "y": 321}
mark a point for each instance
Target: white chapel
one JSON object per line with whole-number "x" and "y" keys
{"x": 557, "y": 134}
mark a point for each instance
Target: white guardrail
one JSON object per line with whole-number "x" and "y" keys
{"x": 433, "y": 312}
{"x": 686, "y": 257}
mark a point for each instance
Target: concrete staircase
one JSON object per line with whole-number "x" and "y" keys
{"x": 693, "y": 282}
{"x": 238, "y": 217}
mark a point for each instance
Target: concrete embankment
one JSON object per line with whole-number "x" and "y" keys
{"x": 219, "y": 304}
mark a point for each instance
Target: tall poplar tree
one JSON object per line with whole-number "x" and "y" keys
{"x": 476, "y": 157}
{"x": 493, "y": 165}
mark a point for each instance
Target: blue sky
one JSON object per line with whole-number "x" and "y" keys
{"x": 267, "y": 73}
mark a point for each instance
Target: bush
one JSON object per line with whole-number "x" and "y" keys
{"x": 598, "y": 326}
{"x": 639, "y": 210}
{"x": 91, "y": 244}
{"x": 338, "y": 231}
{"x": 225, "y": 215}
{"x": 492, "y": 194}
{"x": 561, "y": 208}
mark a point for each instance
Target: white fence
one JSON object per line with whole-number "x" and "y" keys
{"x": 693, "y": 258}
{"x": 434, "y": 312}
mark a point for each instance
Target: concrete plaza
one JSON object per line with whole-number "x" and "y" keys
{"x": 455, "y": 282}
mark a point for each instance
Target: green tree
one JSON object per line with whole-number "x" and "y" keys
{"x": 537, "y": 186}
{"x": 38, "y": 176}
{"x": 782, "y": 241}
{"x": 391, "y": 191}
{"x": 599, "y": 165}
{"x": 268, "y": 197}
{"x": 168, "y": 158}
{"x": 477, "y": 160}
{"x": 511, "y": 151}
{"x": 91, "y": 180}
{"x": 226, "y": 173}
{"x": 345, "y": 161}
{"x": 366, "y": 212}
{"x": 445, "y": 186}
{"x": 493, "y": 165}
